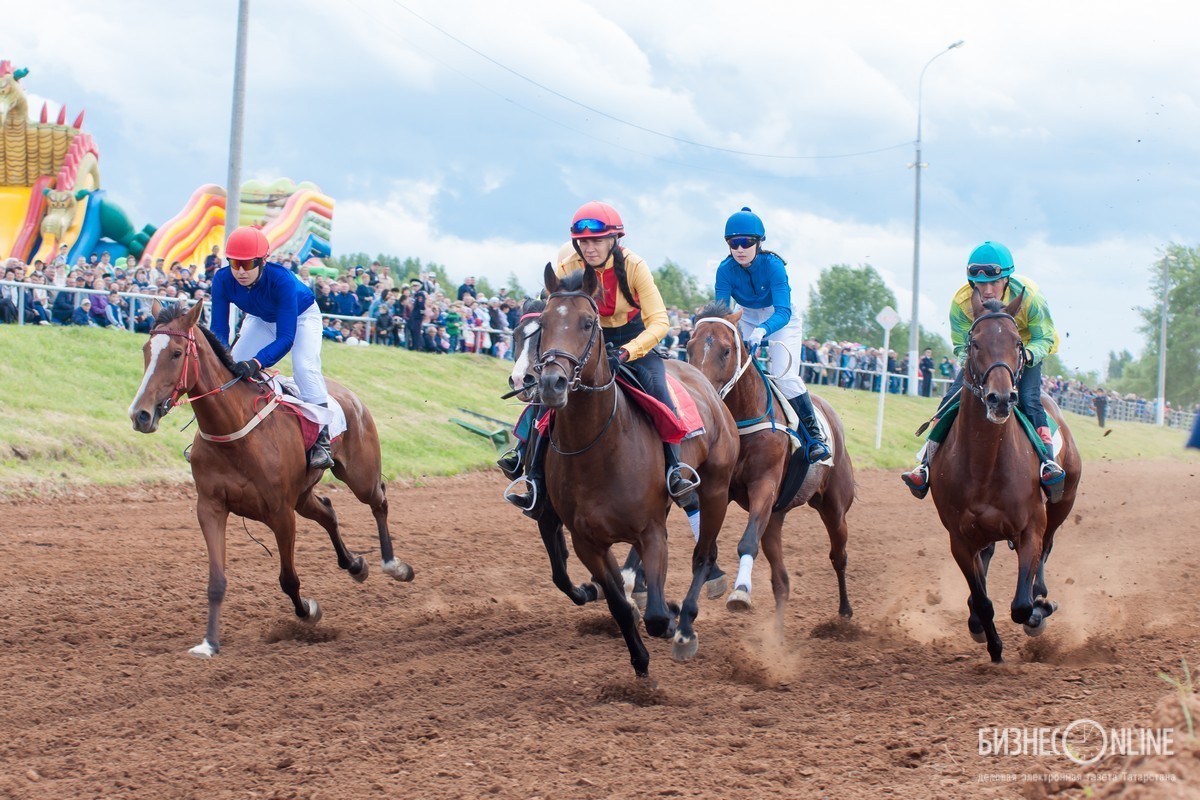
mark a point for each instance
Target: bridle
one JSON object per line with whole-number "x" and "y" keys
{"x": 739, "y": 347}
{"x": 191, "y": 359}
{"x": 578, "y": 362}
{"x": 975, "y": 384}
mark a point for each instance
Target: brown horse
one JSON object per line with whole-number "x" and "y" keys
{"x": 605, "y": 472}
{"x": 985, "y": 477}
{"x": 716, "y": 349}
{"x": 261, "y": 473}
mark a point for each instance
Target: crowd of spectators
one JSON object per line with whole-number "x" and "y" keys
{"x": 1104, "y": 404}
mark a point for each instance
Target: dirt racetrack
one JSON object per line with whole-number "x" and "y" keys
{"x": 480, "y": 679}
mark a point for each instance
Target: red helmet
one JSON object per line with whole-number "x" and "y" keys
{"x": 596, "y": 220}
{"x": 247, "y": 243}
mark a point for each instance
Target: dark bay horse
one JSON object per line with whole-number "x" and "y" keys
{"x": 262, "y": 472}
{"x": 605, "y": 473}
{"x": 985, "y": 477}
{"x": 716, "y": 349}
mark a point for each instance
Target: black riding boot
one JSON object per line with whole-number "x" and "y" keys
{"x": 319, "y": 455}
{"x": 818, "y": 448}
{"x": 512, "y": 463}
{"x": 680, "y": 486}
{"x": 531, "y": 500}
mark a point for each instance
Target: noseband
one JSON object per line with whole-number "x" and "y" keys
{"x": 975, "y": 384}
{"x": 738, "y": 346}
{"x": 578, "y": 362}
{"x": 191, "y": 359}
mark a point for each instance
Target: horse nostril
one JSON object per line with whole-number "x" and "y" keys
{"x": 992, "y": 398}
{"x": 143, "y": 418}
{"x": 560, "y": 384}
{"x": 1012, "y": 398}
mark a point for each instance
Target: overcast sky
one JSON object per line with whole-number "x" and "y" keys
{"x": 1066, "y": 130}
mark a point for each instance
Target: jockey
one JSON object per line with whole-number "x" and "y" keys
{"x": 757, "y": 279}
{"x": 634, "y": 320}
{"x": 990, "y": 272}
{"x": 281, "y": 315}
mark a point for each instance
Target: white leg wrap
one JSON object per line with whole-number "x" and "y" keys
{"x": 745, "y": 566}
{"x": 694, "y": 521}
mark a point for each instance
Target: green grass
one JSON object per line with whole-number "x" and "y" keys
{"x": 64, "y": 395}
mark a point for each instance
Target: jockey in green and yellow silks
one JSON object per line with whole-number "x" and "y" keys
{"x": 991, "y": 273}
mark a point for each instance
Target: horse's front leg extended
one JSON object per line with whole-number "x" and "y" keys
{"x": 658, "y": 619}
{"x": 714, "y": 501}
{"x": 551, "y": 528}
{"x": 1029, "y": 559}
{"x": 762, "y": 497}
{"x": 982, "y": 610}
{"x": 284, "y": 526}
{"x": 213, "y": 515}
{"x": 603, "y": 566}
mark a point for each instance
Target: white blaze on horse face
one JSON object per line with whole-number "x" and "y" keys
{"x": 524, "y": 358}
{"x": 158, "y": 343}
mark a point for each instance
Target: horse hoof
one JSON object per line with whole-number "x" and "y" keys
{"x": 203, "y": 650}
{"x": 360, "y": 570}
{"x": 684, "y": 649}
{"x": 716, "y": 587}
{"x": 739, "y": 600}
{"x": 1035, "y": 630}
{"x": 398, "y": 570}
{"x": 980, "y": 637}
{"x": 639, "y": 599}
{"x": 597, "y": 588}
{"x": 314, "y": 611}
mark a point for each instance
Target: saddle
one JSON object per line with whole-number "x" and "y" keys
{"x": 941, "y": 429}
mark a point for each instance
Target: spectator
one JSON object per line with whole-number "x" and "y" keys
{"x": 8, "y": 297}
{"x": 926, "y": 366}
{"x": 100, "y": 302}
{"x": 946, "y": 370}
{"x": 329, "y": 330}
{"x": 346, "y": 301}
{"x": 212, "y": 262}
{"x": 64, "y": 306}
{"x": 83, "y": 314}
{"x": 454, "y": 323}
{"x": 114, "y": 310}
{"x": 185, "y": 284}
{"x": 416, "y": 316}
{"x": 36, "y": 300}
{"x": 1100, "y": 403}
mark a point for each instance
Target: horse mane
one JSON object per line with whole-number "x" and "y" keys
{"x": 572, "y": 282}
{"x": 993, "y": 306}
{"x": 173, "y": 311}
{"x": 534, "y": 305}
{"x": 713, "y": 309}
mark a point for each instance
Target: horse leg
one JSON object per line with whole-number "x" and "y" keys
{"x": 834, "y": 517}
{"x": 714, "y": 501}
{"x": 284, "y": 526}
{"x": 781, "y": 584}
{"x": 320, "y": 511}
{"x": 634, "y": 572}
{"x": 973, "y": 623}
{"x": 603, "y": 566}
{"x": 1029, "y": 559}
{"x": 983, "y": 613}
{"x": 653, "y": 551}
{"x": 762, "y": 496}
{"x": 213, "y": 516}
{"x": 363, "y": 479}
{"x": 551, "y": 528}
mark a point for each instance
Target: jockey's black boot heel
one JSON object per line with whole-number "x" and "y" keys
{"x": 319, "y": 455}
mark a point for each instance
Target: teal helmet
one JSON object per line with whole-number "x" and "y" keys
{"x": 989, "y": 262}
{"x": 745, "y": 223}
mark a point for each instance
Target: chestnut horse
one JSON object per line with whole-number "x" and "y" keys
{"x": 985, "y": 477}
{"x": 717, "y": 349}
{"x": 605, "y": 472}
{"x": 262, "y": 472}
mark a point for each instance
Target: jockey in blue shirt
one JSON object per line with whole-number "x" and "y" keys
{"x": 757, "y": 279}
{"x": 281, "y": 316}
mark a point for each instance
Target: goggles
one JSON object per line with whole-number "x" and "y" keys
{"x": 243, "y": 265}
{"x": 992, "y": 271}
{"x": 580, "y": 226}
{"x": 742, "y": 242}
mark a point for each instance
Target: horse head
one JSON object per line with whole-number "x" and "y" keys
{"x": 172, "y": 365}
{"x": 995, "y": 356}
{"x": 570, "y": 333}
{"x": 525, "y": 338}
{"x": 718, "y": 351}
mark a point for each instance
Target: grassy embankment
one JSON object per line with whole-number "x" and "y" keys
{"x": 64, "y": 395}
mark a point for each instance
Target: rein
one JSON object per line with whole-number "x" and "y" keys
{"x": 576, "y": 381}
{"x": 975, "y": 385}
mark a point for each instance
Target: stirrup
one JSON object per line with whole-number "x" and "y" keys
{"x": 686, "y": 485}
{"x": 1052, "y": 486}
{"x": 319, "y": 457}
{"x": 510, "y": 463}
{"x": 525, "y": 501}
{"x": 919, "y": 488}
{"x": 817, "y": 450}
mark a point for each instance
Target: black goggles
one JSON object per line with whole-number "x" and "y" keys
{"x": 588, "y": 226}
{"x": 984, "y": 270}
{"x": 742, "y": 242}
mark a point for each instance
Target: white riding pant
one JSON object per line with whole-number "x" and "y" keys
{"x": 783, "y": 352}
{"x": 257, "y": 333}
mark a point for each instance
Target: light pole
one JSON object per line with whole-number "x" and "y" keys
{"x": 233, "y": 182}
{"x": 914, "y": 333}
{"x": 1161, "y": 414}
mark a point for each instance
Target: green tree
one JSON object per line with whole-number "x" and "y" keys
{"x": 1117, "y": 363}
{"x": 899, "y": 341}
{"x": 515, "y": 289}
{"x": 680, "y": 288}
{"x": 843, "y": 304}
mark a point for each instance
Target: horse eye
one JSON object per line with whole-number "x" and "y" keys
{"x": 589, "y": 323}
{"x": 176, "y": 353}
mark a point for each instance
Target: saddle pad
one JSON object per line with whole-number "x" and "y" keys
{"x": 333, "y": 416}
{"x": 941, "y": 429}
{"x": 793, "y": 422}
{"x": 671, "y": 429}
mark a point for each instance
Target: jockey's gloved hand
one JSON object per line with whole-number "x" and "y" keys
{"x": 616, "y": 358}
{"x": 247, "y": 369}
{"x": 1028, "y": 357}
{"x": 755, "y": 338}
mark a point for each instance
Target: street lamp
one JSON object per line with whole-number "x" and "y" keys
{"x": 914, "y": 333}
{"x": 1161, "y": 413}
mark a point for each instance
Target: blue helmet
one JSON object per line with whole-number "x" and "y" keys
{"x": 745, "y": 223}
{"x": 989, "y": 262}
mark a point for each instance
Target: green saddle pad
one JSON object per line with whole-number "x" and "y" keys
{"x": 941, "y": 429}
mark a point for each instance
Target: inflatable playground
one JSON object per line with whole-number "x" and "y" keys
{"x": 51, "y": 194}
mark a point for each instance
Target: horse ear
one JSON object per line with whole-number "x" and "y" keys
{"x": 155, "y": 309}
{"x": 1012, "y": 308}
{"x": 550, "y": 278}
{"x": 976, "y": 302}
{"x": 590, "y": 282}
{"x": 736, "y": 317}
{"x": 193, "y": 316}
